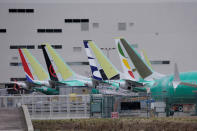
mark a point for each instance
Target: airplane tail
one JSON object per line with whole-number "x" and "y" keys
{"x": 129, "y": 70}
{"x": 142, "y": 68}
{"x": 28, "y": 73}
{"x": 93, "y": 66}
{"x": 110, "y": 71}
{"x": 51, "y": 70}
{"x": 37, "y": 69}
{"x": 62, "y": 68}
{"x": 145, "y": 58}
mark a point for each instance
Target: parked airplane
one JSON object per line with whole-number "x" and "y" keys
{"x": 63, "y": 72}
{"x": 178, "y": 88}
{"x": 36, "y": 76}
{"x": 109, "y": 73}
{"x": 104, "y": 85}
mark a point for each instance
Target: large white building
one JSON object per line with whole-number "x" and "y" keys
{"x": 166, "y": 30}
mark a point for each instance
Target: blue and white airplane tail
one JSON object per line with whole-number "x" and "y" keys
{"x": 92, "y": 62}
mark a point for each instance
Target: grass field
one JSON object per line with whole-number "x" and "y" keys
{"x": 121, "y": 124}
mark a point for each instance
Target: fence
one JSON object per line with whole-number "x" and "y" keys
{"x": 51, "y": 107}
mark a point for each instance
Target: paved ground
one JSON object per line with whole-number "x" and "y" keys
{"x": 12, "y": 120}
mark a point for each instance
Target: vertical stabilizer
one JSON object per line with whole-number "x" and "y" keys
{"x": 51, "y": 70}
{"x": 93, "y": 66}
{"x": 37, "y": 69}
{"x": 110, "y": 71}
{"x": 129, "y": 70}
{"x": 63, "y": 68}
{"x": 28, "y": 73}
{"x": 142, "y": 68}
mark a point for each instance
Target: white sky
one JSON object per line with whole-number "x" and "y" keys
{"x": 94, "y": 1}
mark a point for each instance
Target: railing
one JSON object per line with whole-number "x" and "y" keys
{"x": 51, "y": 107}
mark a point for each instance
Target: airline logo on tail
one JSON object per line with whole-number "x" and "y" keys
{"x": 143, "y": 69}
{"x": 38, "y": 70}
{"x": 52, "y": 73}
{"x": 28, "y": 73}
{"x": 125, "y": 64}
{"x": 110, "y": 71}
{"x": 95, "y": 72}
{"x": 63, "y": 69}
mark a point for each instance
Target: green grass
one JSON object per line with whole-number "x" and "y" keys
{"x": 124, "y": 124}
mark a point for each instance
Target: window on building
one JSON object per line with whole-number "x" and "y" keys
{"x": 30, "y": 47}
{"x": 85, "y": 20}
{"x": 21, "y": 10}
{"x": 77, "y": 63}
{"x": 29, "y": 10}
{"x": 18, "y": 79}
{"x": 57, "y": 30}
{"x": 76, "y": 20}
{"x": 15, "y": 64}
{"x": 54, "y": 46}
{"x": 57, "y": 46}
{"x": 13, "y": 47}
{"x": 166, "y": 62}
{"x": 77, "y": 49}
{"x": 84, "y": 26}
{"x": 95, "y": 25}
{"x": 41, "y": 30}
{"x": 160, "y": 62}
{"x": 2, "y": 30}
{"x": 68, "y": 20}
{"x": 13, "y": 10}
{"x": 122, "y": 26}
{"x": 22, "y": 46}
{"x": 49, "y": 30}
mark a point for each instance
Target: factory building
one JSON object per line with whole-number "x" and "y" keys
{"x": 165, "y": 29}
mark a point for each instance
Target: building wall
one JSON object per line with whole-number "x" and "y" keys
{"x": 165, "y": 30}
